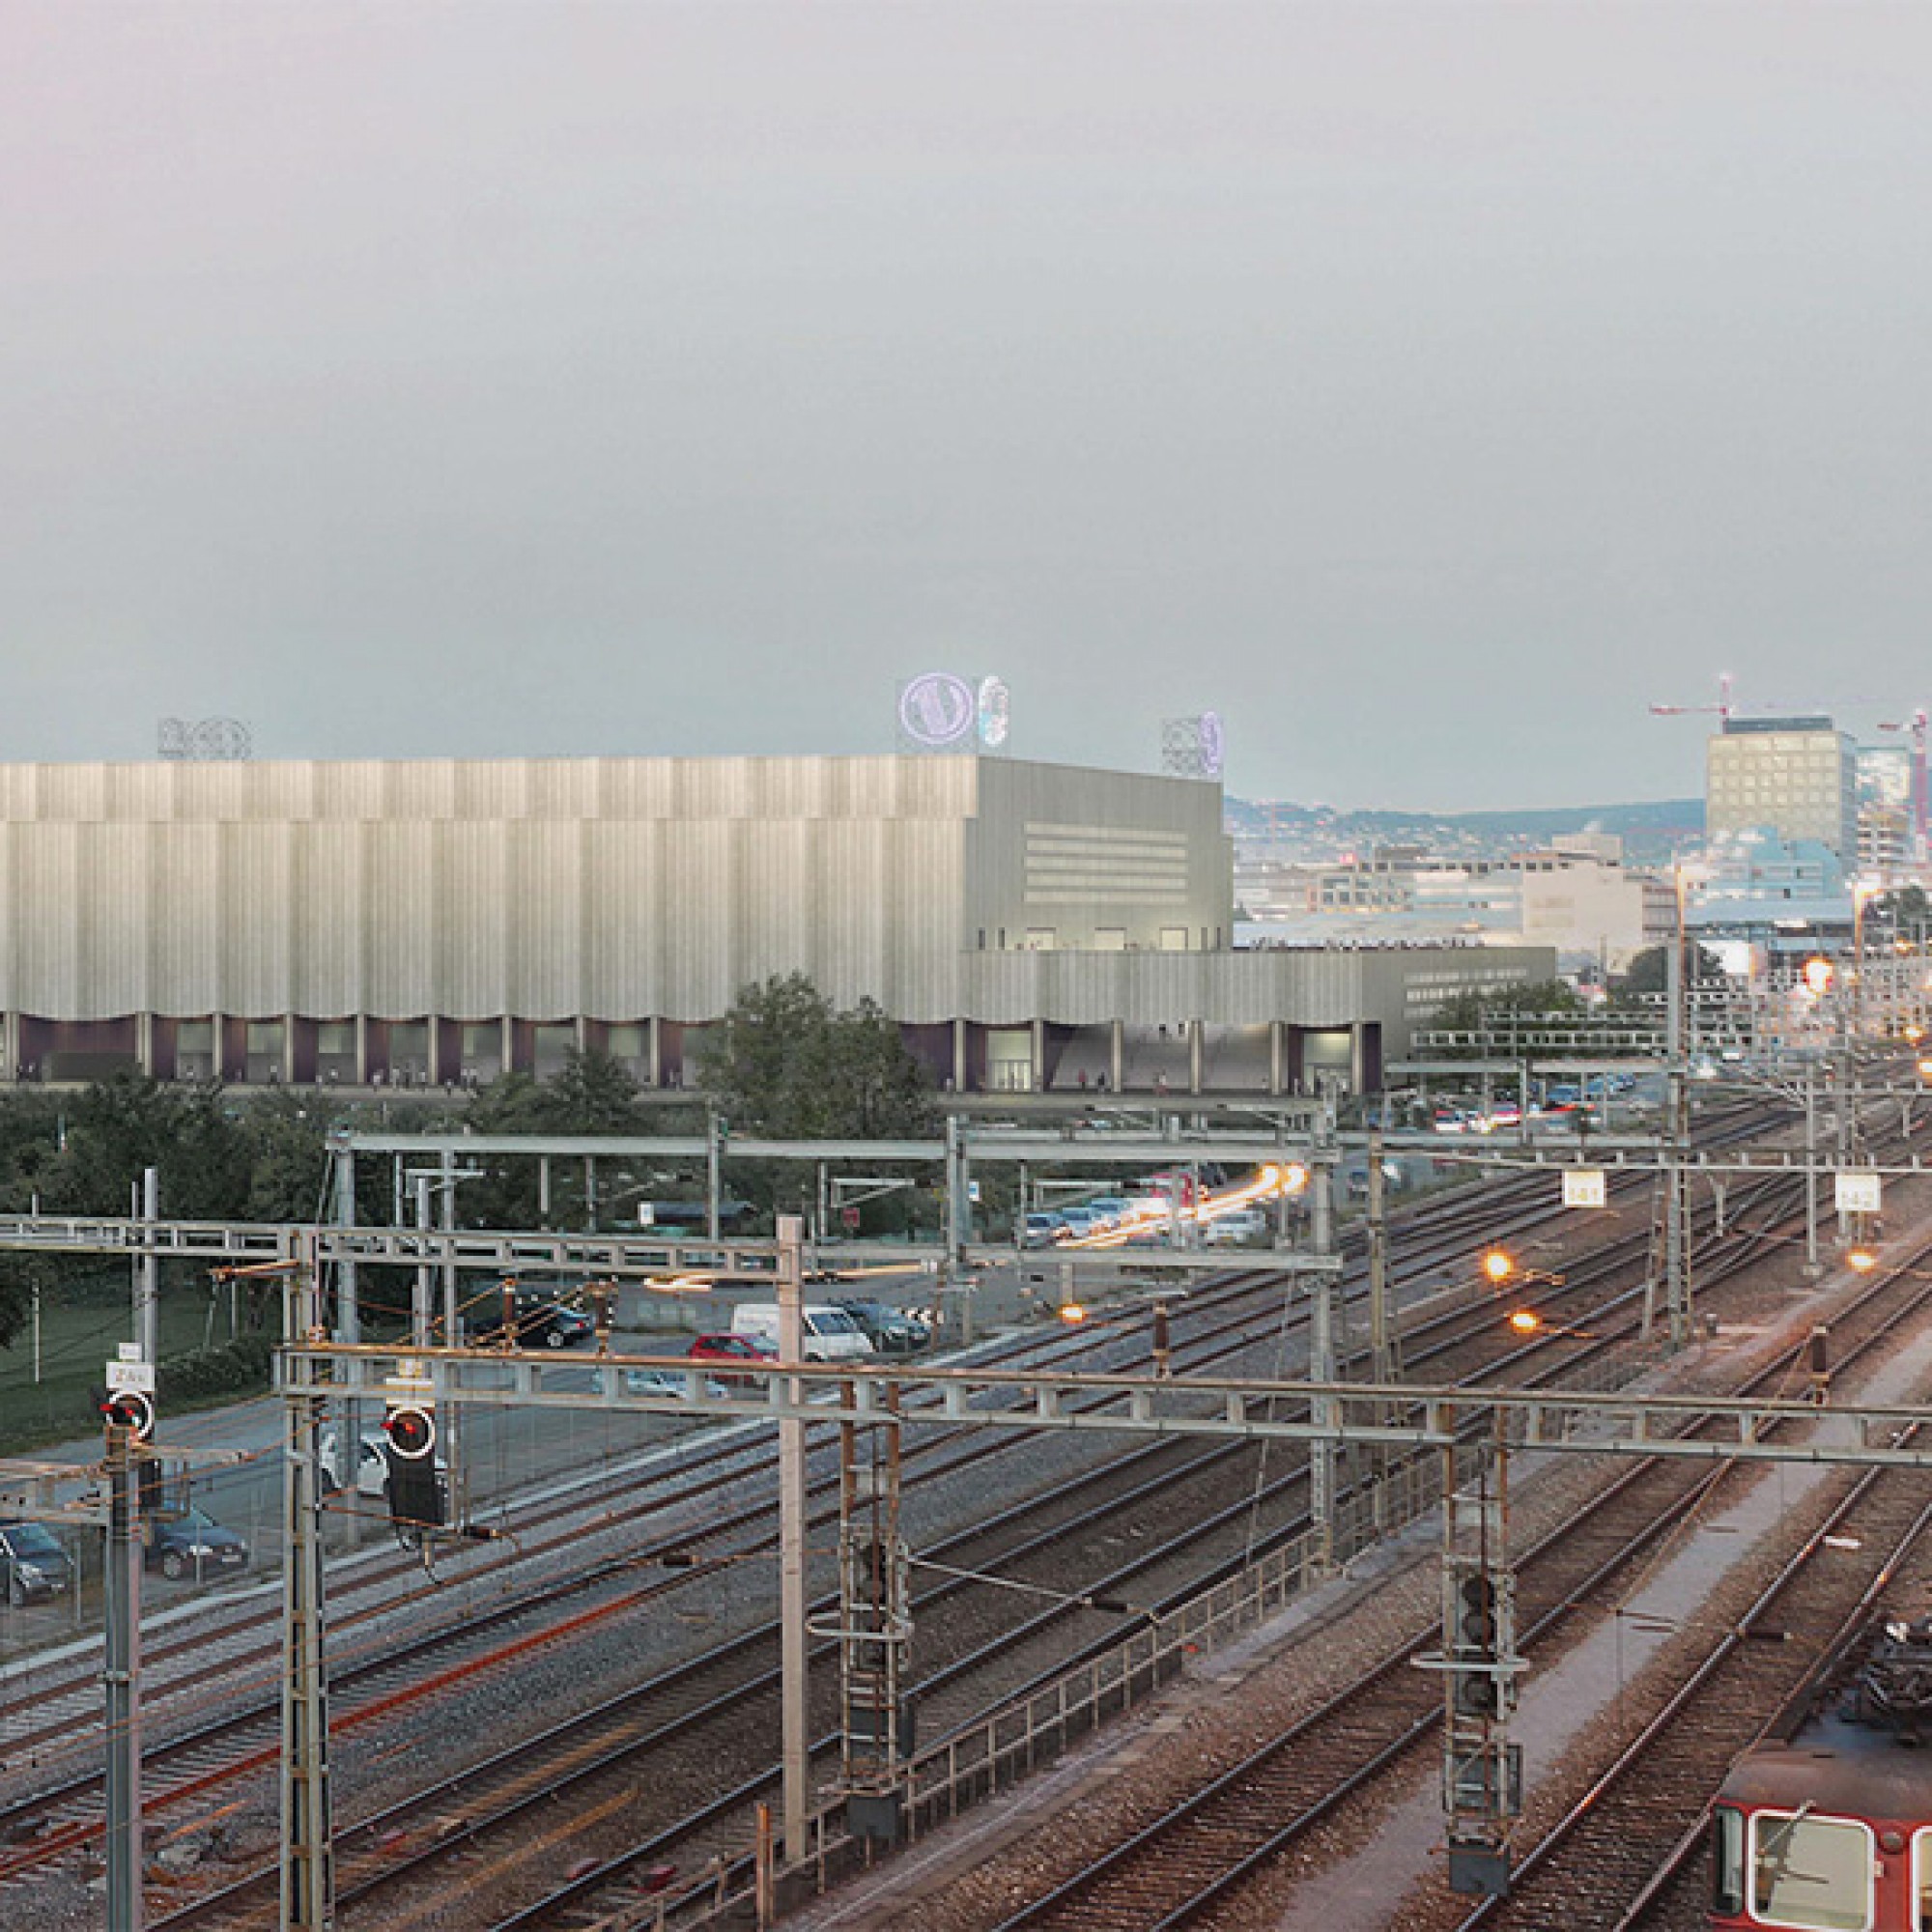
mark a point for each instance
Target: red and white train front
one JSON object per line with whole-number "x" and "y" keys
{"x": 1827, "y": 1824}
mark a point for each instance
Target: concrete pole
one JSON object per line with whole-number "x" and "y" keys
{"x": 122, "y": 1681}
{"x": 794, "y": 1683}
{"x": 957, "y": 1213}
{"x": 348, "y": 1329}
{"x": 1385, "y": 1358}
{"x": 1321, "y": 1364}
{"x": 148, "y": 1274}
{"x": 451, "y": 1425}
{"x": 1812, "y": 1266}
{"x": 713, "y": 1173}
{"x": 419, "y": 1301}
{"x": 446, "y": 1184}
{"x": 309, "y": 1853}
{"x": 1676, "y": 1200}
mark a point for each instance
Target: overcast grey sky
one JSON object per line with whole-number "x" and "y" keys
{"x": 1426, "y": 388}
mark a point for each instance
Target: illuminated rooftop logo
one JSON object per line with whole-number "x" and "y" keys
{"x": 941, "y": 711}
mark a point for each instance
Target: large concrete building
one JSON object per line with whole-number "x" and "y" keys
{"x": 1026, "y": 924}
{"x": 1797, "y": 777}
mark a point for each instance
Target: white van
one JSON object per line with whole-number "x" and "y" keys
{"x": 831, "y": 1335}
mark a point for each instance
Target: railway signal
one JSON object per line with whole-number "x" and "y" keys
{"x": 415, "y": 1490}
{"x": 131, "y": 1409}
{"x": 1474, "y": 1687}
{"x": 1481, "y": 1769}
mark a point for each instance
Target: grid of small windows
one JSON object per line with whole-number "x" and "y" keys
{"x": 1108, "y": 864}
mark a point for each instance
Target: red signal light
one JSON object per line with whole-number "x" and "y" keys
{"x": 411, "y": 1433}
{"x": 129, "y": 1409}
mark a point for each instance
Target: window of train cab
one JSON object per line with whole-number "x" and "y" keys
{"x": 1810, "y": 1873}
{"x": 1921, "y": 1879}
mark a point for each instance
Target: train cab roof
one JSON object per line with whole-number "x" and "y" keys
{"x": 1841, "y": 1769}
{"x": 1856, "y": 1741}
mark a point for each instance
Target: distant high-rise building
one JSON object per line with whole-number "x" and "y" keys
{"x": 1796, "y": 776}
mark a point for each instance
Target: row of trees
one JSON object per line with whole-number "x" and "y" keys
{"x": 784, "y": 1063}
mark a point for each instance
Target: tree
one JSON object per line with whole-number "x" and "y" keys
{"x": 1472, "y": 1012}
{"x": 288, "y": 1159}
{"x": 118, "y": 1127}
{"x": 1649, "y": 973}
{"x": 1907, "y": 912}
{"x": 592, "y": 1093}
{"x": 21, "y": 1275}
{"x": 784, "y": 1062}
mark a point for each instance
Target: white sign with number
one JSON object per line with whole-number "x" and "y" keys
{"x": 1857, "y": 1193}
{"x": 136, "y": 1375}
{"x": 1584, "y": 1187}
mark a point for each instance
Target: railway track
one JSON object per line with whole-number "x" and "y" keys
{"x": 194, "y": 1753}
{"x": 59, "y": 1709}
{"x": 1194, "y": 1859}
{"x": 58, "y": 1712}
{"x": 733, "y": 1689}
{"x": 50, "y": 1710}
{"x": 611, "y": 1891}
{"x": 1627, "y": 1841}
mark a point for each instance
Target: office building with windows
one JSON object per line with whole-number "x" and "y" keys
{"x": 1797, "y": 777}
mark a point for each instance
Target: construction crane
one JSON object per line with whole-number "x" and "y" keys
{"x": 1724, "y": 706}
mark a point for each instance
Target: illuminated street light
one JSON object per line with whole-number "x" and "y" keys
{"x": 1072, "y": 1313}
{"x": 1499, "y": 1266}
{"x": 1861, "y": 1261}
{"x": 1525, "y": 1320}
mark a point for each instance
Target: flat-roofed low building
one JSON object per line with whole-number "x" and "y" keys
{"x": 446, "y": 920}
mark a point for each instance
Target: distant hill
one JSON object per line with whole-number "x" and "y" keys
{"x": 1652, "y": 829}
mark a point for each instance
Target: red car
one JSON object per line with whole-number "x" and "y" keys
{"x": 731, "y": 1349}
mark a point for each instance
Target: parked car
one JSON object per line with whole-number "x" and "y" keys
{"x": 685, "y": 1384}
{"x": 830, "y": 1334}
{"x": 372, "y": 1465}
{"x": 1041, "y": 1231}
{"x": 890, "y": 1330}
{"x": 1238, "y": 1226}
{"x": 541, "y": 1320}
{"x": 32, "y": 1563}
{"x": 193, "y": 1542}
{"x": 731, "y": 1349}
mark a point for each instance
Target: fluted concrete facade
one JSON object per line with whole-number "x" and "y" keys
{"x": 176, "y": 911}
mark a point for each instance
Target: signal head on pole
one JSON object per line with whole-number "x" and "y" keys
{"x": 127, "y": 1408}
{"x": 410, "y": 1431}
